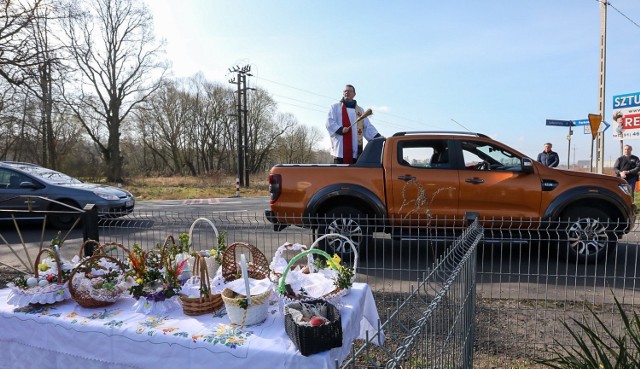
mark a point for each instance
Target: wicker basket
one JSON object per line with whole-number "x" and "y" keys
{"x": 289, "y": 296}
{"x": 311, "y": 340}
{"x": 240, "y": 312}
{"x": 211, "y": 263}
{"x": 258, "y": 266}
{"x": 49, "y": 294}
{"x": 85, "y": 294}
{"x": 205, "y": 303}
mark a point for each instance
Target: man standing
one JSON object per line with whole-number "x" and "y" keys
{"x": 548, "y": 157}
{"x": 346, "y": 137}
{"x": 627, "y": 166}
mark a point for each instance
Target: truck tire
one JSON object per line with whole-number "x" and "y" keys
{"x": 349, "y": 222}
{"x": 586, "y": 235}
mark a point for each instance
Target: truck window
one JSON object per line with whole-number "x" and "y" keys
{"x": 424, "y": 154}
{"x": 485, "y": 156}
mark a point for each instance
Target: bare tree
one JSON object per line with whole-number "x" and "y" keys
{"x": 265, "y": 126}
{"x": 165, "y": 124}
{"x": 296, "y": 145}
{"x": 214, "y": 103}
{"x": 113, "y": 46}
{"x": 16, "y": 47}
{"x": 43, "y": 77}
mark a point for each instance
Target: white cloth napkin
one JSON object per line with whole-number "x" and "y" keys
{"x": 257, "y": 286}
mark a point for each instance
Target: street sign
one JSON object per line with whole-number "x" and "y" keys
{"x": 560, "y": 123}
{"x": 594, "y": 122}
{"x": 603, "y": 127}
{"x": 581, "y": 122}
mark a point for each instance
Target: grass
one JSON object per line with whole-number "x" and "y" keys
{"x": 173, "y": 188}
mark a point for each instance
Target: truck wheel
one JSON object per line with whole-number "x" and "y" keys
{"x": 588, "y": 237}
{"x": 348, "y": 222}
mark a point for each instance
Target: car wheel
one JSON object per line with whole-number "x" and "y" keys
{"x": 63, "y": 220}
{"x": 348, "y": 222}
{"x": 587, "y": 235}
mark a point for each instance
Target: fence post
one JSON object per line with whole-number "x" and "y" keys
{"x": 90, "y": 227}
{"x": 237, "y": 187}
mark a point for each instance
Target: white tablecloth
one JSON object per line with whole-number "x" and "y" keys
{"x": 66, "y": 335}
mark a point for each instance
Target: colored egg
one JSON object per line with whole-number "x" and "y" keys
{"x": 43, "y": 282}
{"x": 32, "y": 281}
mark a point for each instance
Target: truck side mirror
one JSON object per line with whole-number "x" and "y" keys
{"x": 527, "y": 165}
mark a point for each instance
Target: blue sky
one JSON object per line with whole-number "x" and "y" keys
{"x": 500, "y": 68}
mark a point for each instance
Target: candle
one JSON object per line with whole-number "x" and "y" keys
{"x": 245, "y": 275}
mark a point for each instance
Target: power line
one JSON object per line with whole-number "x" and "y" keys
{"x": 391, "y": 124}
{"x": 619, "y": 12}
{"x": 296, "y": 88}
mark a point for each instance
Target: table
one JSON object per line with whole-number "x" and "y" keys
{"x": 65, "y": 335}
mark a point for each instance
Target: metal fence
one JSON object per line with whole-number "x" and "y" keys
{"x": 433, "y": 326}
{"x": 525, "y": 287}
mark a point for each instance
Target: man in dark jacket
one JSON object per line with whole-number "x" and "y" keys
{"x": 549, "y": 157}
{"x": 627, "y": 166}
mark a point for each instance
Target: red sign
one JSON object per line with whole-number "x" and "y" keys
{"x": 631, "y": 121}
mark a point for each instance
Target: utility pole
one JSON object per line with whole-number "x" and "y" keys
{"x": 601, "y": 97}
{"x": 243, "y": 135}
{"x": 246, "y": 124}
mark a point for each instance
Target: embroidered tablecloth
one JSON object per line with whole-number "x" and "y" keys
{"x": 65, "y": 335}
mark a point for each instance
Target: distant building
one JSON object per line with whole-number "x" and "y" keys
{"x": 583, "y": 163}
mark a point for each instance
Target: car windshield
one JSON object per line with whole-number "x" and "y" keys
{"x": 50, "y": 175}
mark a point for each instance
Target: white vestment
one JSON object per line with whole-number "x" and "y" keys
{"x": 334, "y": 122}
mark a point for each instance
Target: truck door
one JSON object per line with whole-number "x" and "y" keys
{"x": 493, "y": 185}
{"x": 423, "y": 182}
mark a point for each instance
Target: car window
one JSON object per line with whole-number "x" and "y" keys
{"x": 424, "y": 154}
{"x": 10, "y": 179}
{"x": 50, "y": 175}
{"x": 485, "y": 156}
{"x": 5, "y": 176}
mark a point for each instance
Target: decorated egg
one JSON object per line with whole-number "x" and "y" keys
{"x": 317, "y": 321}
{"x": 43, "y": 282}
{"x": 32, "y": 281}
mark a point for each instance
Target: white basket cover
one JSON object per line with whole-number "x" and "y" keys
{"x": 48, "y": 294}
{"x": 156, "y": 307}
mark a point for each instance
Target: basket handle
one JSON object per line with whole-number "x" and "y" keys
{"x": 287, "y": 246}
{"x": 281, "y": 288}
{"x": 200, "y": 267}
{"x": 353, "y": 247}
{"x": 166, "y": 242}
{"x": 85, "y": 244}
{"x": 206, "y": 220}
{"x": 229, "y": 268}
{"x": 56, "y": 257}
{"x": 101, "y": 250}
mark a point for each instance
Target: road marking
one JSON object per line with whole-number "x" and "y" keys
{"x": 210, "y": 201}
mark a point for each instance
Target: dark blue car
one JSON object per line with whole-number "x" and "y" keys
{"x": 19, "y": 180}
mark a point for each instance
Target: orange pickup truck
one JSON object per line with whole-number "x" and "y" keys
{"x": 415, "y": 181}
